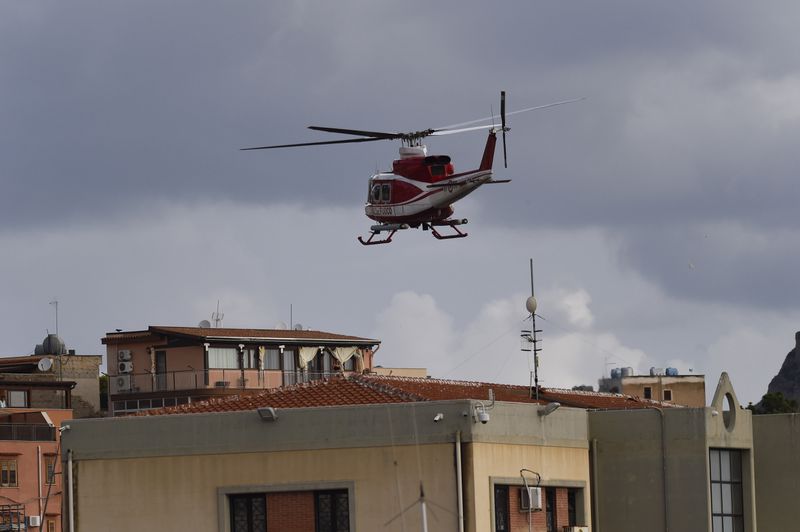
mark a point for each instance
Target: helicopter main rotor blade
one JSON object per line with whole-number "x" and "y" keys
{"x": 441, "y": 132}
{"x": 359, "y": 132}
{"x": 345, "y": 141}
{"x": 509, "y": 114}
{"x": 503, "y": 125}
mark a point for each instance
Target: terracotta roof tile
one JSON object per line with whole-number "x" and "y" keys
{"x": 379, "y": 389}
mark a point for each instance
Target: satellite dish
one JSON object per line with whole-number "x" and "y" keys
{"x": 281, "y": 326}
{"x": 44, "y": 364}
{"x": 205, "y": 324}
{"x": 298, "y": 327}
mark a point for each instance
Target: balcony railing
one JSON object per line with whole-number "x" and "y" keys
{"x": 27, "y": 432}
{"x": 197, "y": 379}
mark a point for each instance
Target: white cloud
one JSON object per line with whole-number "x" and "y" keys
{"x": 575, "y": 305}
{"x": 454, "y": 307}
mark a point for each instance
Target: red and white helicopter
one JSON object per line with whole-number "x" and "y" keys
{"x": 421, "y": 189}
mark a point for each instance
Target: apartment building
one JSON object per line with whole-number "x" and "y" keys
{"x": 169, "y": 366}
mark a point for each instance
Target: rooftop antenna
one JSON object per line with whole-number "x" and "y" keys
{"x": 54, "y": 302}
{"x": 217, "y": 316}
{"x": 529, "y": 339}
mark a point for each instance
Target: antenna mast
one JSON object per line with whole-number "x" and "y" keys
{"x": 529, "y": 339}
{"x": 217, "y": 316}
{"x": 54, "y": 302}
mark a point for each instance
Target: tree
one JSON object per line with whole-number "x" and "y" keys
{"x": 774, "y": 403}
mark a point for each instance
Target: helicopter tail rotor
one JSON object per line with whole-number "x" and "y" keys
{"x": 503, "y": 125}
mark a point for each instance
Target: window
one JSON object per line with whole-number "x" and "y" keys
{"x": 572, "y": 508}
{"x": 50, "y": 468}
{"x": 727, "y": 513}
{"x": 375, "y": 196}
{"x": 386, "y": 193}
{"x": 648, "y": 392}
{"x": 289, "y": 363}
{"x": 550, "y": 509}
{"x": 17, "y": 398}
{"x": 8, "y": 472}
{"x": 51, "y": 525}
{"x": 248, "y": 512}
{"x": 332, "y": 511}
{"x": 501, "y": 509}
{"x": 223, "y": 358}
{"x": 437, "y": 170}
{"x": 350, "y": 365}
{"x": 668, "y": 395}
{"x": 250, "y": 358}
{"x": 272, "y": 359}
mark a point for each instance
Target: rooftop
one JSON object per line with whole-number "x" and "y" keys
{"x": 235, "y": 334}
{"x": 381, "y": 389}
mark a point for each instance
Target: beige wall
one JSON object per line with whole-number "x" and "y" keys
{"x": 491, "y": 463}
{"x": 401, "y": 372}
{"x": 178, "y": 466}
{"x": 686, "y": 390}
{"x": 181, "y": 493}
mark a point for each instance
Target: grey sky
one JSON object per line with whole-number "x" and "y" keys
{"x": 667, "y": 198}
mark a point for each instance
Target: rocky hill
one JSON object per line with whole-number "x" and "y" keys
{"x": 787, "y": 381}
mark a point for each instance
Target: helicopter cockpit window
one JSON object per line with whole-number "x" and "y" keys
{"x": 375, "y": 196}
{"x": 385, "y": 193}
{"x": 437, "y": 169}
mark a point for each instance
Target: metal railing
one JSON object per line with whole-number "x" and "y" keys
{"x": 197, "y": 379}
{"x": 27, "y": 432}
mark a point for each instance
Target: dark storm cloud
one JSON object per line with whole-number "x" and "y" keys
{"x": 690, "y": 119}
{"x": 109, "y": 103}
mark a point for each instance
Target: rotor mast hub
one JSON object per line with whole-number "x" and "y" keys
{"x": 410, "y": 152}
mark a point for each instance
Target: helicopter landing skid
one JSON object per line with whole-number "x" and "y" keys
{"x": 369, "y": 241}
{"x": 450, "y": 223}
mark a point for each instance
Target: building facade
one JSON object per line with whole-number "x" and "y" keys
{"x": 660, "y": 385}
{"x": 30, "y": 469}
{"x": 675, "y": 469}
{"x": 366, "y": 467}
{"x": 169, "y": 366}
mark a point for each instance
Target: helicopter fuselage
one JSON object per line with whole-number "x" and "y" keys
{"x": 422, "y": 188}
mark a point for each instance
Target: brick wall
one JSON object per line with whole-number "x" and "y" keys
{"x": 519, "y": 518}
{"x": 562, "y": 508}
{"x": 290, "y": 511}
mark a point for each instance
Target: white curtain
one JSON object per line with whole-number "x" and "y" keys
{"x": 343, "y": 354}
{"x": 307, "y": 354}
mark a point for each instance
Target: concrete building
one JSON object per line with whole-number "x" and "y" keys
{"x": 168, "y": 366}
{"x": 354, "y": 452}
{"x": 30, "y": 469}
{"x": 37, "y": 393}
{"x": 776, "y": 441}
{"x": 53, "y": 377}
{"x": 660, "y": 384}
{"x": 675, "y": 469}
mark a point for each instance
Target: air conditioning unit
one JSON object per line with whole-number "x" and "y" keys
{"x": 575, "y": 529}
{"x": 530, "y": 500}
{"x": 34, "y": 520}
{"x": 123, "y": 355}
{"x": 125, "y": 367}
{"x": 123, "y": 382}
